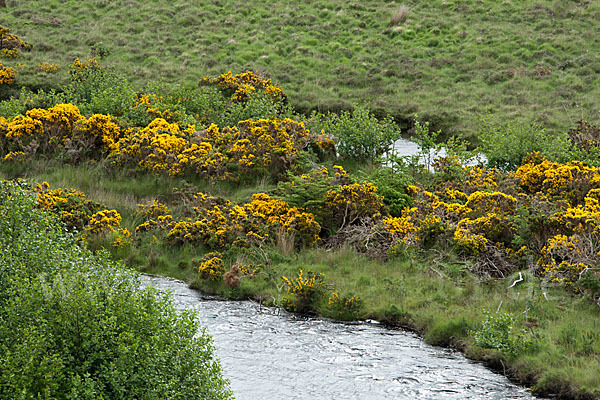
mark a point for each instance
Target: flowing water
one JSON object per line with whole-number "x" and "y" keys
{"x": 406, "y": 148}
{"x": 269, "y": 354}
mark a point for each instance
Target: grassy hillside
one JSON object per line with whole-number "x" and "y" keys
{"x": 447, "y": 60}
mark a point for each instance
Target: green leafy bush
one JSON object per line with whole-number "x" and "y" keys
{"x": 77, "y": 325}
{"x": 506, "y": 143}
{"x": 496, "y": 332}
{"x": 359, "y": 134}
{"x": 10, "y": 108}
{"x": 391, "y": 185}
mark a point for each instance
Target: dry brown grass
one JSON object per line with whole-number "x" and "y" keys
{"x": 400, "y": 16}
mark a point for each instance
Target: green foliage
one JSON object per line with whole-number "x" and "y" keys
{"x": 427, "y": 141}
{"x": 39, "y": 99}
{"x": 308, "y": 191}
{"x": 256, "y": 107}
{"x": 580, "y": 342}
{"x": 10, "y": 108}
{"x": 77, "y": 325}
{"x": 359, "y": 134}
{"x": 506, "y": 143}
{"x": 391, "y": 185}
{"x": 100, "y": 91}
{"x": 496, "y": 332}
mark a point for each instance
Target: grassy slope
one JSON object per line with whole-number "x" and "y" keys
{"x": 437, "y": 298}
{"x": 449, "y": 60}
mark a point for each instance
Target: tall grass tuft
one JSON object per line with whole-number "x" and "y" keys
{"x": 400, "y": 16}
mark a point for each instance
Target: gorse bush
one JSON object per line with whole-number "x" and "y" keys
{"x": 219, "y": 223}
{"x": 58, "y": 131}
{"x": 77, "y": 325}
{"x": 11, "y": 44}
{"x": 7, "y": 75}
{"x": 303, "y": 291}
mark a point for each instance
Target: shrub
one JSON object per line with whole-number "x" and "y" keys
{"x": 77, "y": 325}
{"x": 345, "y": 308}
{"x": 60, "y": 130}
{"x": 218, "y": 223}
{"x": 7, "y": 75}
{"x": 359, "y": 135}
{"x": 347, "y": 204}
{"x": 99, "y": 91}
{"x": 10, "y": 43}
{"x": 11, "y": 108}
{"x": 70, "y": 205}
{"x": 391, "y": 186}
{"x": 241, "y": 87}
{"x": 308, "y": 191}
{"x": 211, "y": 266}
{"x": 506, "y": 143}
{"x": 496, "y": 332}
{"x": 304, "y": 291}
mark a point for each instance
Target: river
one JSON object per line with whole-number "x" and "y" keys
{"x": 269, "y": 354}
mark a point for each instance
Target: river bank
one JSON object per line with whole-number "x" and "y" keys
{"x": 268, "y": 352}
{"x": 444, "y": 311}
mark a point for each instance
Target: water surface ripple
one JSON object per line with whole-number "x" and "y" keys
{"x": 268, "y": 354}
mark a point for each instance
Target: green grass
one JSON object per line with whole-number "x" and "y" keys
{"x": 437, "y": 297}
{"x": 448, "y": 60}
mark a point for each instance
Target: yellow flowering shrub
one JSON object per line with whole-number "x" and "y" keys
{"x": 152, "y": 209}
{"x": 237, "y": 153}
{"x": 103, "y": 131}
{"x": 277, "y": 214}
{"x": 480, "y": 178}
{"x": 491, "y": 202}
{"x": 15, "y": 157}
{"x": 48, "y": 68}
{"x": 303, "y": 291}
{"x": 345, "y": 307}
{"x": 211, "y": 266}
{"x": 242, "y": 86}
{"x": 122, "y": 238}
{"x": 10, "y": 43}
{"x": 70, "y": 204}
{"x": 156, "y": 215}
{"x": 219, "y": 223}
{"x": 570, "y": 181}
{"x": 7, "y": 75}
{"x": 470, "y": 235}
{"x": 59, "y": 129}
{"x": 152, "y": 104}
{"x": 562, "y": 259}
{"x": 80, "y": 70}
{"x": 347, "y": 204}
{"x": 104, "y": 222}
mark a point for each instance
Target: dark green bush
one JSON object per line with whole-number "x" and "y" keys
{"x": 391, "y": 185}
{"x": 76, "y": 325}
